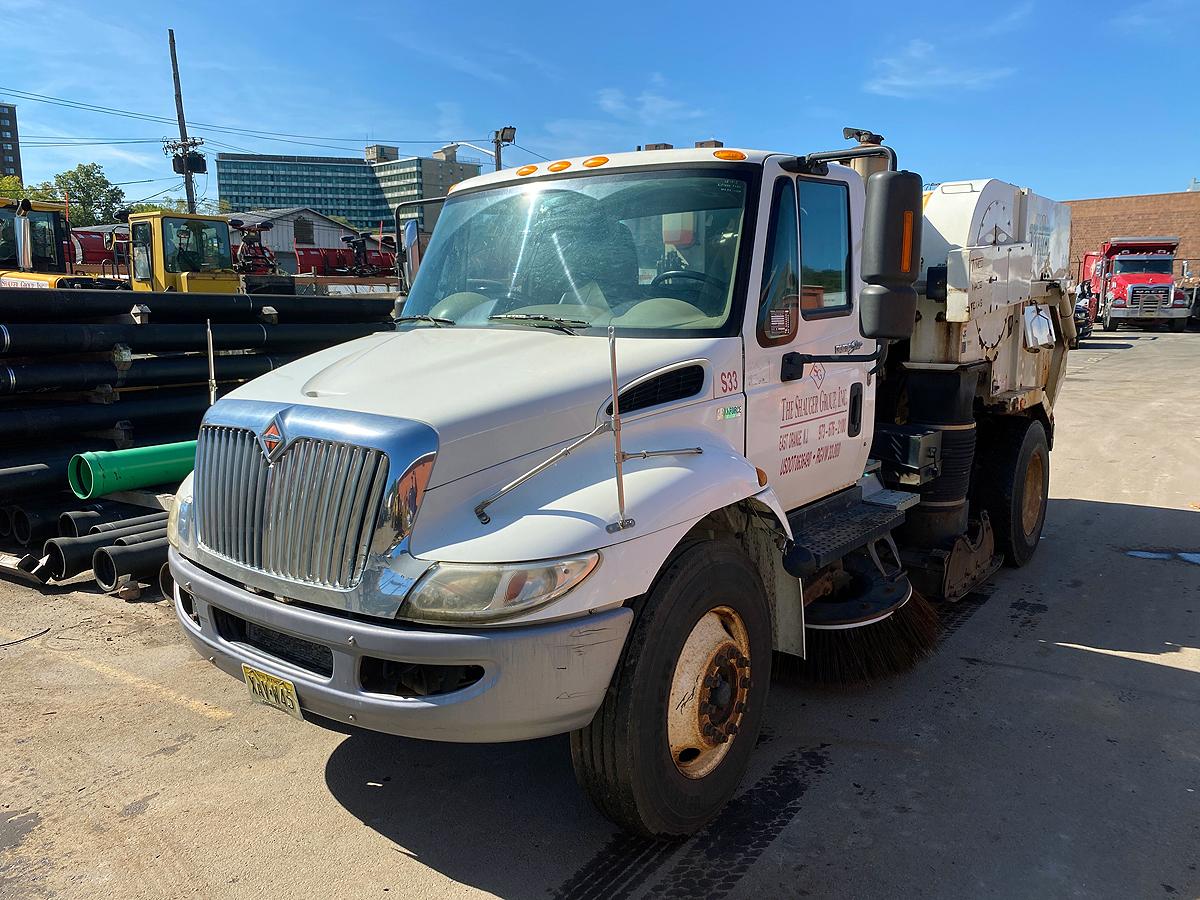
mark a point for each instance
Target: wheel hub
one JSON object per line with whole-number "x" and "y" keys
{"x": 708, "y": 692}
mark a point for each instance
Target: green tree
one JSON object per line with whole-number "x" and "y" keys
{"x": 11, "y": 187}
{"x": 94, "y": 199}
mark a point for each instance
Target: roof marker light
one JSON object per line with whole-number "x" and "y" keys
{"x": 526, "y": 170}
{"x": 729, "y": 154}
{"x": 594, "y": 161}
{"x": 559, "y": 166}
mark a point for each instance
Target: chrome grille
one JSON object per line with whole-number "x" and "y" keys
{"x": 1149, "y": 299}
{"x": 307, "y": 517}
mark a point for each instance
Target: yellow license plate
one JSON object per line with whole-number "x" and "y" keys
{"x": 272, "y": 690}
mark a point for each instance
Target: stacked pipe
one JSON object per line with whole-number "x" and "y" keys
{"x": 88, "y": 375}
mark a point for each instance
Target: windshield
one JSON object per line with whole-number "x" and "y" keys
{"x": 194, "y": 245}
{"x": 644, "y": 251}
{"x": 46, "y": 231}
{"x": 1158, "y": 264}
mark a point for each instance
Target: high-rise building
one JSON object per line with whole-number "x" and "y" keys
{"x": 362, "y": 191}
{"x": 10, "y": 142}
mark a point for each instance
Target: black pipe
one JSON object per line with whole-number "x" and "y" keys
{"x": 111, "y": 564}
{"x": 33, "y": 305}
{"x": 141, "y": 537}
{"x": 34, "y": 523}
{"x": 67, "y": 557}
{"x": 35, "y": 479}
{"x": 6, "y": 521}
{"x": 136, "y": 521}
{"x": 153, "y": 372}
{"x": 30, "y": 340}
{"x": 21, "y": 423}
{"x": 76, "y": 522}
{"x": 166, "y": 581}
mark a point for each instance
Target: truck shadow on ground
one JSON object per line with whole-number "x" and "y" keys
{"x": 509, "y": 818}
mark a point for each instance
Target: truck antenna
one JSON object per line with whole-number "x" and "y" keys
{"x": 212, "y": 364}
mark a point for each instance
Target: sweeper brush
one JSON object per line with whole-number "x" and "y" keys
{"x": 870, "y": 652}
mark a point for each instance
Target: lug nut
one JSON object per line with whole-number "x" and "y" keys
{"x": 731, "y": 728}
{"x": 743, "y": 661}
{"x": 740, "y": 706}
{"x": 746, "y": 682}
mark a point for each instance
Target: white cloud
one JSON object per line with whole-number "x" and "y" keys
{"x": 920, "y": 70}
{"x": 1162, "y": 19}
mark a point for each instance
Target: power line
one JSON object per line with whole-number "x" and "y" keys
{"x": 532, "y": 152}
{"x": 148, "y": 117}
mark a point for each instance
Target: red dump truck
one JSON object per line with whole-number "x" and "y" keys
{"x": 1131, "y": 282}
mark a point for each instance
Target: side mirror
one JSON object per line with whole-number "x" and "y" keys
{"x": 411, "y": 241}
{"x": 891, "y": 255}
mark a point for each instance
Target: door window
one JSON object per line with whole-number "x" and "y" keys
{"x": 778, "y": 298}
{"x": 824, "y": 248}
{"x": 141, "y": 251}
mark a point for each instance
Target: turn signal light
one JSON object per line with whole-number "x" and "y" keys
{"x": 526, "y": 170}
{"x": 595, "y": 161}
{"x": 729, "y": 154}
{"x": 559, "y": 166}
{"x": 906, "y": 238}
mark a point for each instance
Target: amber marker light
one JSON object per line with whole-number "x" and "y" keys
{"x": 526, "y": 170}
{"x": 733, "y": 155}
{"x": 559, "y": 166}
{"x": 906, "y": 247}
{"x": 594, "y": 161}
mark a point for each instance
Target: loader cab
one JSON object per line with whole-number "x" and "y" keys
{"x": 32, "y": 234}
{"x": 171, "y": 251}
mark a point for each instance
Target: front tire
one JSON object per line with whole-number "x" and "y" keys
{"x": 1178, "y": 325}
{"x": 1014, "y": 483}
{"x": 1109, "y": 323}
{"x": 673, "y": 737}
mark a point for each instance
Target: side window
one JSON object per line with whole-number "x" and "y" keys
{"x": 141, "y": 251}
{"x": 824, "y": 247}
{"x": 778, "y": 297}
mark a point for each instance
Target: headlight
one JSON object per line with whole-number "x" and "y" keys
{"x": 179, "y": 519}
{"x": 454, "y": 592}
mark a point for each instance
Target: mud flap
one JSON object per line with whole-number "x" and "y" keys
{"x": 951, "y": 574}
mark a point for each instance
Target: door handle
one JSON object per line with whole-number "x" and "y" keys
{"x": 854, "y": 414}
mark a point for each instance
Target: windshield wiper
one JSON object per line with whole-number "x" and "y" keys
{"x": 435, "y": 321}
{"x": 541, "y": 321}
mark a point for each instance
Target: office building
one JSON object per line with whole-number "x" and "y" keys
{"x": 362, "y": 191}
{"x": 10, "y": 142}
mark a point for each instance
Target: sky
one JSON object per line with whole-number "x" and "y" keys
{"x": 1072, "y": 99}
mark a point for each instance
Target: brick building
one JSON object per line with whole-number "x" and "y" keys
{"x": 1176, "y": 215}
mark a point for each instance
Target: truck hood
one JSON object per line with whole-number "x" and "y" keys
{"x": 1120, "y": 284}
{"x": 492, "y": 394}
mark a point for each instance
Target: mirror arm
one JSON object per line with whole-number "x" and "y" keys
{"x": 401, "y": 254}
{"x": 817, "y": 163}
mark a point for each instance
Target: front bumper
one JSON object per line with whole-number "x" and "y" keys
{"x": 1167, "y": 312}
{"x": 537, "y": 680}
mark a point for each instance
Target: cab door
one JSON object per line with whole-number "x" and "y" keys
{"x": 809, "y": 422}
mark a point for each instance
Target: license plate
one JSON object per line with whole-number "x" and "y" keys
{"x": 272, "y": 690}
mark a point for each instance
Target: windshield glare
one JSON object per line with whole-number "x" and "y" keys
{"x": 1159, "y": 265}
{"x": 644, "y": 251}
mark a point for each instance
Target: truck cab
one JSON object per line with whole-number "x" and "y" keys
{"x": 648, "y": 419}
{"x": 33, "y": 235}
{"x": 1132, "y": 279}
{"x": 173, "y": 251}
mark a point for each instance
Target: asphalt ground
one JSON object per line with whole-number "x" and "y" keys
{"x": 1050, "y": 748}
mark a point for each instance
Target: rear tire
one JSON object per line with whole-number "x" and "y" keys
{"x": 1108, "y": 323}
{"x": 1013, "y": 484}
{"x": 671, "y": 741}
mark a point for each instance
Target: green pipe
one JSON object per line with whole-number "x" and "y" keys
{"x": 97, "y": 473}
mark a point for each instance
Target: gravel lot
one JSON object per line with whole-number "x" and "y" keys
{"x": 1050, "y": 749}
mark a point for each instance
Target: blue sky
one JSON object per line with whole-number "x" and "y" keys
{"x": 1073, "y": 99}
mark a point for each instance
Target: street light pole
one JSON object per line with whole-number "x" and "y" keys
{"x": 506, "y": 135}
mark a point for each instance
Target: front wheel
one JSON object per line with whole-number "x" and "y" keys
{"x": 1178, "y": 325}
{"x": 1109, "y": 323}
{"x": 672, "y": 738}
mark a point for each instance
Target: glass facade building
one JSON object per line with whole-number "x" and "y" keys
{"x": 363, "y": 191}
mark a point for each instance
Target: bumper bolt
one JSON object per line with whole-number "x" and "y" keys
{"x": 350, "y": 640}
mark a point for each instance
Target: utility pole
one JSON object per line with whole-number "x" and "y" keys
{"x": 501, "y": 138}
{"x": 185, "y": 145}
